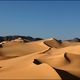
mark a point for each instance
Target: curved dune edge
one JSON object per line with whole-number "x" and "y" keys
{"x": 17, "y": 60}
{"x": 15, "y": 49}
{"x": 69, "y": 62}
{"x": 23, "y": 68}
{"x": 52, "y": 42}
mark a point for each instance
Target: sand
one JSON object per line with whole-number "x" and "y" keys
{"x": 44, "y": 59}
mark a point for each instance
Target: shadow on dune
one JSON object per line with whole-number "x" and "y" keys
{"x": 66, "y": 57}
{"x": 37, "y": 62}
{"x": 65, "y": 75}
{"x": 1, "y": 46}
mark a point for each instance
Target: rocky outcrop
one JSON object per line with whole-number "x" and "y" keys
{"x": 24, "y": 38}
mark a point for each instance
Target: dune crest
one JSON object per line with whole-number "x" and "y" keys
{"x": 41, "y": 59}
{"x": 52, "y": 42}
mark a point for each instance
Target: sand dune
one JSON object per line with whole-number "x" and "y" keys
{"x": 44, "y": 59}
{"x": 15, "y": 49}
{"x": 67, "y": 59}
{"x": 23, "y": 68}
{"x": 67, "y": 43}
{"x": 52, "y": 42}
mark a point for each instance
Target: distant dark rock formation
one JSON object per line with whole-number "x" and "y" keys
{"x": 25, "y": 38}
{"x": 1, "y": 38}
{"x": 59, "y": 41}
{"x": 29, "y": 38}
{"x": 74, "y": 40}
{"x": 36, "y": 39}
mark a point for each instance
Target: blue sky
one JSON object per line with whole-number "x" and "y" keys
{"x": 59, "y": 19}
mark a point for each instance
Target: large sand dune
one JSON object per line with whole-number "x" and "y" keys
{"x": 44, "y": 59}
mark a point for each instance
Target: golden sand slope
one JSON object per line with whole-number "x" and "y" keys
{"x": 56, "y": 58}
{"x": 16, "y": 59}
{"x": 23, "y": 68}
{"x": 67, "y": 43}
{"x": 15, "y": 49}
{"x": 52, "y": 42}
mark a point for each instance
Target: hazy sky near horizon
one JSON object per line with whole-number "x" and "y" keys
{"x": 59, "y": 19}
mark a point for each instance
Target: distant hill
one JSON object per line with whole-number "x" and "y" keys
{"x": 29, "y": 38}
{"x": 25, "y": 38}
{"x": 74, "y": 40}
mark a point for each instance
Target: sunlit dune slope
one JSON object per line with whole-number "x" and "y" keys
{"x": 67, "y": 43}
{"x": 23, "y": 68}
{"x": 14, "y": 49}
{"x": 66, "y": 58}
{"x": 41, "y": 59}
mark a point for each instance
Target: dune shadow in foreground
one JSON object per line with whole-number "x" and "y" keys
{"x": 65, "y": 75}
